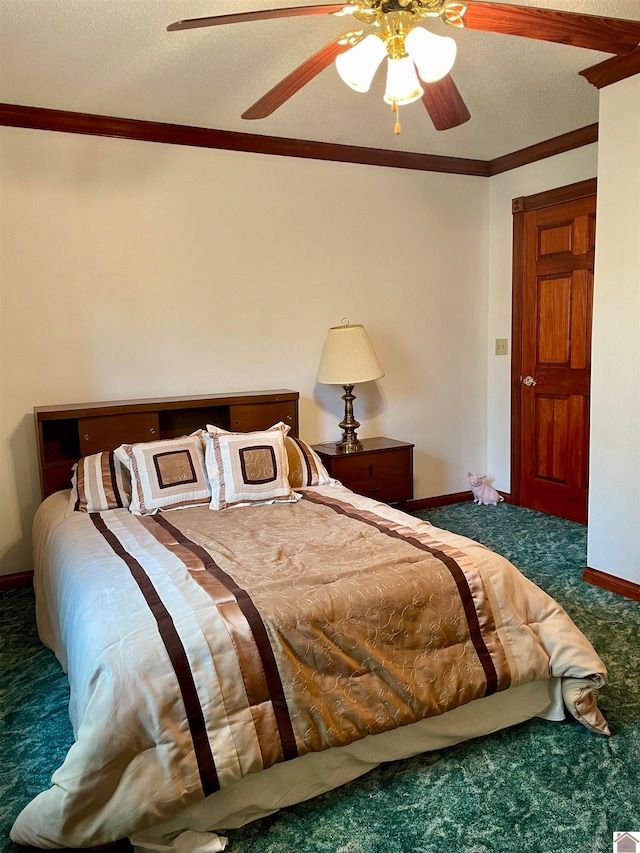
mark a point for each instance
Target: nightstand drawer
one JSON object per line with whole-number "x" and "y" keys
{"x": 390, "y": 489}
{"x": 364, "y": 466}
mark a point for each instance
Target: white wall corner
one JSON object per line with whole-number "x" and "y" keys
{"x": 614, "y": 484}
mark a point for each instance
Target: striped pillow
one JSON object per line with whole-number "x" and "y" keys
{"x": 248, "y": 467}
{"x": 305, "y": 466}
{"x": 167, "y": 474}
{"x": 100, "y": 482}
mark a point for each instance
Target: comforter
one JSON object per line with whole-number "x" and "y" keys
{"x": 205, "y": 646}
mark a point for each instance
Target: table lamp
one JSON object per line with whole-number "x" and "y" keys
{"x": 348, "y": 358}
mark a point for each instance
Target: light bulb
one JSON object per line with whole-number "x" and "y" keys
{"x": 358, "y": 65}
{"x": 433, "y": 55}
{"x": 403, "y": 86}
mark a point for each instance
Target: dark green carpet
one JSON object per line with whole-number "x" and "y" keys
{"x": 538, "y": 788}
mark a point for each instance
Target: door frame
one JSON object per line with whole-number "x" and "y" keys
{"x": 520, "y": 206}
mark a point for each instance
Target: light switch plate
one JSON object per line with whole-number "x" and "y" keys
{"x": 502, "y": 347}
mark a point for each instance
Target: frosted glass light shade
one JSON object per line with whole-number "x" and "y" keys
{"x": 433, "y": 55}
{"x": 348, "y": 357}
{"x": 403, "y": 86}
{"x": 358, "y": 65}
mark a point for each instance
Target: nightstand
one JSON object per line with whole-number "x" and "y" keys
{"x": 382, "y": 470}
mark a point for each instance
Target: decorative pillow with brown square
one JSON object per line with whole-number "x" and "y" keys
{"x": 167, "y": 474}
{"x": 247, "y": 467}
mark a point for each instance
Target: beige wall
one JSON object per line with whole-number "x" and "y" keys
{"x": 130, "y": 269}
{"x": 614, "y": 469}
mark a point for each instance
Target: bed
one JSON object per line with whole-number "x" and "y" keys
{"x": 242, "y": 633}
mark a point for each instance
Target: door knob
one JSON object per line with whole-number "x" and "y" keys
{"x": 529, "y": 381}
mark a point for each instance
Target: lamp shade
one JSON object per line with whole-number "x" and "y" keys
{"x": 433, "y": 55}
{"x": 358, "y": 65}
{"x": 403, "y": 86}
{"x": 348, "y": 357}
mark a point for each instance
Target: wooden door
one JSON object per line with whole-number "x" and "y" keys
{"x": 553, "y": 371}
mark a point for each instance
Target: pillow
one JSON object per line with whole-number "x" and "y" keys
{"x": 305, "y": 466}
{"x": 100, "y": 482}
{"x": 167, "y": 474}
{"x": 248, "y": 467}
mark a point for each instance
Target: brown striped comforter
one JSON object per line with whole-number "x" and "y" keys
{"x": 203, "y": 646}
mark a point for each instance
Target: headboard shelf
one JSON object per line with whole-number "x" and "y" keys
{"x": 66, "y": 433}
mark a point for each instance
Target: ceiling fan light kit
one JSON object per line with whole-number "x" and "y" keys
{"x": 394, "y": 32}
{"x": 407, "y": 48}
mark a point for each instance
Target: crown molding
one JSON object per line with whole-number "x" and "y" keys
{"x": 548, "y": 148}
{"x": 64, "y": 121}
{"x": 177, "y": 134}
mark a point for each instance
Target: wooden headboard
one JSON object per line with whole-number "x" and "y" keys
{"x": 67, "y": 433}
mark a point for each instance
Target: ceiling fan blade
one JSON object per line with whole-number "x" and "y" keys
{"x": 444, "y": 104}
{"x": 260, "y": 15}
{"x": 303, "y": 74}
{"x": 610, "y": 35}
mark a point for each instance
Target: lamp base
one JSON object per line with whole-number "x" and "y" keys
{"x": 348, "y": 446}
{"x": 350, "y": 442}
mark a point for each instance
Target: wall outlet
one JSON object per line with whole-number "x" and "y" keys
{"x": 502, "y": 347}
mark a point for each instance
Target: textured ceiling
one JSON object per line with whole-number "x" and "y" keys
{"x": 115, "y": 57}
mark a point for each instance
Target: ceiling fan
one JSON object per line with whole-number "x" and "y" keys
{"x": 392, "y": 30}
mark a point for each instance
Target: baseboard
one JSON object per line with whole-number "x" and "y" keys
{"x": 444, "y": 500}
{"x": 438, "y": 500}
{"x": 612, "y": 583}
{"x": 20, "y": 580}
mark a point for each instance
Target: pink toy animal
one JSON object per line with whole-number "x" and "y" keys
{"x": 483, "y": 493}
